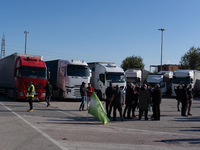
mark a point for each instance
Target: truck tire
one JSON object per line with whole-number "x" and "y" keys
{"x": 99, "y": 94}
{"x": 15, "y": 95}
{"x": 60, "y": 95}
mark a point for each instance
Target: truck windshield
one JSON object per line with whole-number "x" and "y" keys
{"x": 132, "y": 79}
{"x": 181, "y": 80}
{"x": 115, "y": 77}
{"x": 33, "y": 72}
{"x": 77, "y": 70}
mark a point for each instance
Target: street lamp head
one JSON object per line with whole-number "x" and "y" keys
{"x": 162, "y": 29}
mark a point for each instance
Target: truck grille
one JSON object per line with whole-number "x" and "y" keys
{"x": 37, "y": 85}
{"x": 77, "y": 92}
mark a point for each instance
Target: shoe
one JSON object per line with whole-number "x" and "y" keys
{"x": 147, "y": 118}
{"x": 184, "y": 115}
{"x": 178, "y": 109}
{"x": 189, "y": 114}
{"x": 122, "y": 119}
{"x": 114, "y": 120}
{"x": 83, "y": 109}
{"x": 129, "y": 118}
{"x": 134, "y": 116}
{"x": 30, "y": 110}
{"x": 48, "y": 105}
{"x": 79, "y": 109}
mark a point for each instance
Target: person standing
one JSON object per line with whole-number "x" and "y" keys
{"x": 129, "y": 100}
{"x": 118, "y": 101}
{"x": 83, "y": 91}
{"x": 190, "y": 99}
{"x": 49, "y": 91}
{"x": 184, "y": 99}
{"x": 109, "y": 93}
{"x": 144, "y": 101}
{"x": 135, "y": 99}
{"x": 178, "y": 98}
{"x": 156, "y": 99}
{"x": 30, "y": 95}
{"x": 90, "y": 89}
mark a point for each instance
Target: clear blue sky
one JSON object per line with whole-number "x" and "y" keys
{"x": 101, "y": 30}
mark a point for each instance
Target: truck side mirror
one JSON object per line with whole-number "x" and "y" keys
{"x": 17, "y": 72}
{"x": 48, "y": 74}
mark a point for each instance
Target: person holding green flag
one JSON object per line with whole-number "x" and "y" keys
{"x": 96, "y": 109}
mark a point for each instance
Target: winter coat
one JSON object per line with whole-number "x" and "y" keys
{"x": 129, "y": 95}
{"x": 156, "y": 96}
{"x": 144, "y": 98}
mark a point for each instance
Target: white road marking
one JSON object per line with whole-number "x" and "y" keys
{"x": 37, "y": 129}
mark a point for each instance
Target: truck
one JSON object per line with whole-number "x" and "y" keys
{"x": 16, "y": 70}
{"x": 137, "y": 76}
{"x": 67, "y": 77}
{"x": 103, "y": 73}
{"x": 164, "y": 79}
{"x": 186, "y": 77}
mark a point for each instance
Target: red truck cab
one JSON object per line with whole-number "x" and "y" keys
{"x": 29, "y": 69}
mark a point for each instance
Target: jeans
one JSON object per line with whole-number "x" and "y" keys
{"x": 30, "y": 102}
{"x": 88, "y": 102}
{"x": 48, "y": 98}
{"x": 83, "y": 102}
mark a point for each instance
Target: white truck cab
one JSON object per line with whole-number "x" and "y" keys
{"x": 103, "y": 73}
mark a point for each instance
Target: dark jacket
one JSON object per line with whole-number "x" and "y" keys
{"x": 48, "y": 88}
{"x": 129, "y": 95}
{"x": 83, "y": 91}
{"x": 109, "y": 92}
{"x": 144, "y": 98}
{"x": 190, "y": 93}
{"x": 156, "y": 96}
{"x": 118, "y": 97}
{"x": 184, "y": 96}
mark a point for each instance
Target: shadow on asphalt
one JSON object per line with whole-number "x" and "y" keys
{"x": 177, "y": 141}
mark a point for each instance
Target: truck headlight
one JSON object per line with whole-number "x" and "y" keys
{"x": 21, "y": 93}
{"x": 43, "y": 94}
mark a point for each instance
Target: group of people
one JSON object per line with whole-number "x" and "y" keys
{"x": 31, "y": 93}
{"x": 86, "y": 93}
{"x": 135, "y": 97}
{"x": 184, "y": 95}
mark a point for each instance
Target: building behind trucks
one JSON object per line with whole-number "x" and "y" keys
{"x": 137, "y": 76}
{"x": 164, "y": 79}
{"x": 17, "y": 70}
{"x": 103, "y": 73}
{"x": 67, "y": 77}
{"x": 186, "y": 77}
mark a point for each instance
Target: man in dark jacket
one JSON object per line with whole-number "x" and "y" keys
{"x": 83, "y": 91}
{"x": 190, "y": 91}
{"x": 178, "y": 98}
{"x": 156, "y": 99}
{"x": 109, "y": 93}
{"x": 49, "y": 92}
{"x": 117, "y": 102}
{"x": 129, "y": 100}
{"x": 184, "y": 99}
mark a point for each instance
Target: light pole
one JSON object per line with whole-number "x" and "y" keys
{"x": 162, "y": 29}
{"x": 25, "y": 39}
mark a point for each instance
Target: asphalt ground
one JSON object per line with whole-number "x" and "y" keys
{"x": 63, "y": 126}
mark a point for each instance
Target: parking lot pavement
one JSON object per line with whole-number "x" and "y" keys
{"x": 66, "y": 127}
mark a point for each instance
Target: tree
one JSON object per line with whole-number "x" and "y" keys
{"x": 132, "y": 62}
{"x": 191, "y": 59}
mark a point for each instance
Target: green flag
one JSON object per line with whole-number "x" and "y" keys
{"x": 96, "y": 109}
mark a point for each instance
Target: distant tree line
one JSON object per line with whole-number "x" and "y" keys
{"x": 190, "y": 60}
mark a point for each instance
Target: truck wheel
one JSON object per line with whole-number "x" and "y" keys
{"x": 15, "y": 95}
{"x": 60, "y": 95}
{"x": 99, "y": 94}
